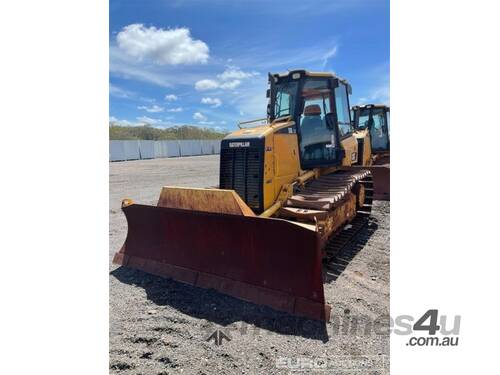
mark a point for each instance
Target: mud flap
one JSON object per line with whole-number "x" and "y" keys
{"x": 266, "y": 261}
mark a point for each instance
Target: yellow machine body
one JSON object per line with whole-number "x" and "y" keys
{"x": 282, "y": 162}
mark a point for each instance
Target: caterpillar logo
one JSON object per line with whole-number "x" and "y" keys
{"x": 239, "y": 144}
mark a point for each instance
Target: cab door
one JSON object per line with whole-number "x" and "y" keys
{"x": 318, "y": 138}
{"x": 379, "y": 129}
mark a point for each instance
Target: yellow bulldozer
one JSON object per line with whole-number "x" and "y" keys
{"x": 372, "y": 121}
{"x": 290, "y": 187}
{"x": 375, "y": 119}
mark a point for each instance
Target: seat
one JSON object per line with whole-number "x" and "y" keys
{"x": 312, "y": 121}
{"x": 312, "y": 128}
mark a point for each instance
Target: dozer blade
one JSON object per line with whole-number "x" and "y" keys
{"x": 270, "y": 262}
{"x": 381, "y": 180}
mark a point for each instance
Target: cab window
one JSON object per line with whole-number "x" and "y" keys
{"x": 317, "y": 141}
{"x": 378, "y": 130}
{"x": 364, "y": 118}
{"x": 342, "y": 106}
{"x": 378, "y": 119}
{"x": 285, "y": 99}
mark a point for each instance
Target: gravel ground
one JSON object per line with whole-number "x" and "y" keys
{"x": 160, "y": 326}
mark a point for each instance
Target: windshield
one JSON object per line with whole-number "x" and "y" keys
{"x": 364, "y": 116}
{"x": 284, "y": 101}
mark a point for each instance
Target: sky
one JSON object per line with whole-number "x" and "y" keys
{"x": 205, "y": 63}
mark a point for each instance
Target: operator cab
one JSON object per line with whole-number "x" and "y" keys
{"x": 375, "y": 118}
{"x": 318, "y": 103}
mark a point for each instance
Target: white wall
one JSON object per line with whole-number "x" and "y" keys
{"x": 135, "y": 150}
{"x": 147, "y": 149}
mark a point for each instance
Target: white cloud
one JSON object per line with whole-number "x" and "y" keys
{"x": 199, "y": 117}
{"x": 206, "y": 84}
{"x": 227, "y": 80}
{"x": 169, "y": 76}
{"x": 210, "y": 84}
{"x": 382, "y": 94}
{"x": 178, "y": 109}
{"x": 144, "y": 120}
{"x": 328, "y": 55}
{"x": 230, "y": 85}
{"x": 163, "y": 46}
{"x": 148, "y": 120}
{"x": 119, "y": 92}
{"x": 117, "y": 122}
{"x": 378, "y": 95}
{"x": 121, "y": 67}
{"x": 233, "y": 72}
{"x": 153, "y": 109}
{"x": 171, "y": 97}
{"x": 213, "y": 102}
{"x": 251, "y": 102}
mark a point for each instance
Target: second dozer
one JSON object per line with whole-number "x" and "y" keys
{"x": 287, "y": 186}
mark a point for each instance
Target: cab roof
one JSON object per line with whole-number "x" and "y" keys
{"x": 311, "y": 74}
{"x": 366, "y": 106}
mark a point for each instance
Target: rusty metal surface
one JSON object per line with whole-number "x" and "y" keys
{"x": 337, "y": 242}
{"x": 382, "y": 158}
{"x": 204, "y": 199}
{"x": 326, "y": 191}
{"x": 329, "y": 201}
{"x": 264, "y": 261}
{"x": 381, "y": 180}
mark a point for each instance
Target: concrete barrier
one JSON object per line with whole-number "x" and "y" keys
{"x": 190, "y": 147}
{"x": 116, "y": 151}
{"x": 159, "y": 152}
{"x": 131, "y": 150}
{"x": 173, "y": 149}
{"x": 217, "y": 147}
{"x": 145, "y": 149}
{"x": 207, "y": 147}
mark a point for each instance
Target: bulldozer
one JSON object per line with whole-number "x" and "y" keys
{"x": 375, "y": 119}
{"x": 371, "y": 121}
{"x": 291, "y": 185}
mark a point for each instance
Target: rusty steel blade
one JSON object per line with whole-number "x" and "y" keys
{"x": 265, "y": 261}
{"x": 381, "y": 180}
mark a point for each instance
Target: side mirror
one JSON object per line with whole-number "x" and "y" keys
{"x": 330, "y": 120}
{"x": 268, "y": 93}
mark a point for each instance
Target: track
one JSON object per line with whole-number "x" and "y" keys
{"x": 319, "y": 198}
{"x": 339, "y": 240}
{"x": 326, "y": 192}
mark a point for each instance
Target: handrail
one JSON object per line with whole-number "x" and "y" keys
{"x": 250, "y": 122}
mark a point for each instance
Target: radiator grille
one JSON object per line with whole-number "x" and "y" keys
{"x": 240, "y": 170}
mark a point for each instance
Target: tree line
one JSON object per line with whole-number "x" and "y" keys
{"x": 148, "y": 132}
